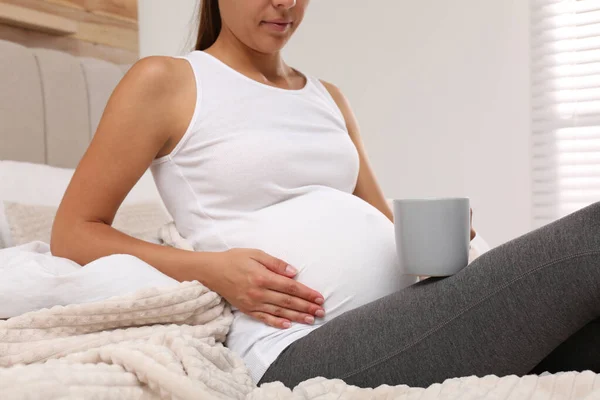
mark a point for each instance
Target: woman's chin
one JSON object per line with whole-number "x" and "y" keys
{"x": 270, "y": 45}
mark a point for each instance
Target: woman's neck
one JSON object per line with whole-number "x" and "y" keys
{"x": 237, "y": 55}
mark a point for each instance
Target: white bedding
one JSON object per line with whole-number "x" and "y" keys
{"x": 32, "y": 279}
{"x": 168, "y": 343}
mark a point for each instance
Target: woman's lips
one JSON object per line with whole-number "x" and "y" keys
{"x": 277, "y": 26}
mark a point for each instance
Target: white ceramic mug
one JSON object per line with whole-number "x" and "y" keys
{"x": 432, "y": 235}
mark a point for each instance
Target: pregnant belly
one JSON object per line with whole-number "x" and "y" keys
{"x": 342, "y": 246}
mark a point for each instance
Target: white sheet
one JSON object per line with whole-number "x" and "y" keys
{"x": 32, "y": 279}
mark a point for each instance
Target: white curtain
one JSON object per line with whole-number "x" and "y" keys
{"x": 565, "y": 65}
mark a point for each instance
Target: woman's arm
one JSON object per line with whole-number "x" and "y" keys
{"x": 367, "y": 187}
{"x": 146, "y": 116}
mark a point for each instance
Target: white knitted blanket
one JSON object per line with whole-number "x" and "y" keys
{"x": 167, "y": 343}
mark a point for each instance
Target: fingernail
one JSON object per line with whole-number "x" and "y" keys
{"x": 320, "y": 313}
{"x": 310, "y": 319}
{"x": 319, "y": 300}
{"x": 286, "y": 324}
{"x": 291, "y": 270}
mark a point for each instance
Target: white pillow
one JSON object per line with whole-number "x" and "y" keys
{"x": 43, "y": 185}
{"x": 28, "y": 183}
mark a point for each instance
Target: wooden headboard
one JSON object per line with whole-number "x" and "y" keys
{"x": 104, "y": 29}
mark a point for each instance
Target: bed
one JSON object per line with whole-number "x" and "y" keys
{"x": 163, "y": 339}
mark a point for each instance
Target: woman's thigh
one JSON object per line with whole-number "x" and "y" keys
{"x": 503, "y": 314}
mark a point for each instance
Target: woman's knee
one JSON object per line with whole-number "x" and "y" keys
{"x": 595, "y": 209}
{"x": 587, "y": 218}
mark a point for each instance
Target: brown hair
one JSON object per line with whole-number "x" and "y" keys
{"x": 210, "y": 24}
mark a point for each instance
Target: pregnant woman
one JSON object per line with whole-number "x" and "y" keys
{"x": 264, "y": 172}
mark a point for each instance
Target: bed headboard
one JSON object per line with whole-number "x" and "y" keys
{"x": 104, "y": 29}
{"x": 51, "y": 103}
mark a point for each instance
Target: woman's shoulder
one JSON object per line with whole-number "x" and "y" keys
{"x": 338, "y": 97}
{"x": 333, "y": 90}
{"x": 158, "y": 85}
{"x": 160, "y": 73}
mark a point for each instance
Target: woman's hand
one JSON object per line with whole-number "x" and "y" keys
{"x": 473, "y": 233}
{"x": 263, "y": 287}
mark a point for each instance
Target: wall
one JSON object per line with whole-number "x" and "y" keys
{"x": 441, "y": 90}
{"x": 165, "y": 26}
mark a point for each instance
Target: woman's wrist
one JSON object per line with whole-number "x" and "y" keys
{"x": 186, "y": 265}
{"x": 206, "y": 267}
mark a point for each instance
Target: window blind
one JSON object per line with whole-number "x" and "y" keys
{"x": 565, "y": 76}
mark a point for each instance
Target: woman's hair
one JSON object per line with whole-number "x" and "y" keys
{"x": 210, "y": 24}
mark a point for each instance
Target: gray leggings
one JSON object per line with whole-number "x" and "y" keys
{"x": 529, "y": 305}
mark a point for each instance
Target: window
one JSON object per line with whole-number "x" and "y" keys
{"x": 565, "y": 67}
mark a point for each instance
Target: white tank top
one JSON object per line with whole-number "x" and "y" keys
{"x": 274, "y": 169}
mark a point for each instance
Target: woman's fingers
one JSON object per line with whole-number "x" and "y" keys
{"x": 274, "y": 264}
{"x": 282, "y": 280}
{"x": 280, "y": 299}
{"x": 285, "y": 300}
{"x": 298, "y": 309}
{"x": 288, "y": 314}
{"x": 277, "y": 315}
{"x": 271, "y": 320}
{"x": 473, "y": 233}
{"x": 291, "y": 287}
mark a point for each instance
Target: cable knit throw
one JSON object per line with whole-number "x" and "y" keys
{"x": 167, "y": 344}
